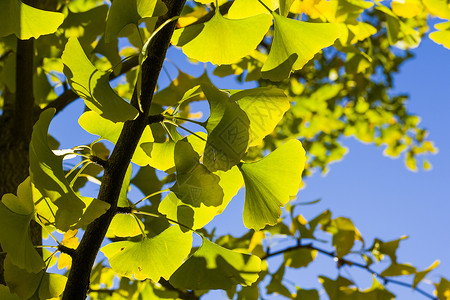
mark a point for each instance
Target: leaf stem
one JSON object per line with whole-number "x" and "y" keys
{"x": 140, "y": 227}
{"x": 135, "y": 211}
{"x": 184, "y": 128}
{"x": 45, "y": 228}
{"x": 149, "y": 196}
{"x": 76, "y": 166}
{"x": 188, "y": 120}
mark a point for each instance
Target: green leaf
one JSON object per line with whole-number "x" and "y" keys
{"x": 147, "y": 181}
{"x": 48, "y": 176}
{"x": 299, "y": 258}
{"x": 161, "y": 155}
{"x": 106, "y": 129}
{"x": 247, "y": 8}
{"x": 228, "y": 131}
{"x": 264, "y": 107}
{"x": 25, "y": 284}
{"x": 294, "y": 44}
{"x": 94, "y": 209}
{"x": 221, "y": 40}
{"x": 5, "y": 294}
{"x": 124, "y": 225}
{"x": 214, "y": 267}
{"x": 16, "y": 214}
{"x": 124, "y": 12}
{"x": 421, "y": 275}
{"x": 195, "y": 183}
{"x": 26, "y": 21}
{"x": 270, "y": 183}
{"x": 93, "y": 85}
{"x": 285, "y": 6}
{"x": 344, "y": 235}
{"x": 396, "y": 269}
{"x": 443, "y": 289}
{"x": 276, "y": 285}
{"x": 380, "y": 248}
{"x": 197, "y": 217}
{"x": 151, "y": 257}
{"x": 303, "y": 294}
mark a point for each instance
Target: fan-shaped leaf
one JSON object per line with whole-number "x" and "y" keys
{"x": 195, "y": 183}
{"x": 26, "y": 21}
{"x": 294, "y": 44}
{"x": 48, "y": 176}
{"x": 443, "y": 35}
{"x": 221, "y": 40}
{"x": 214, "y": 267}
{"x": 151, "y": 257}
{"x": 125, "y": 225}
{"x": 16, "y": 214}
{"x": 197, "y": 217}
{"x": 270, "y": 183}
{"x": 264, "y": 107}
{"x": 93, "y": 85}
{"x": 124, "y": 12}
{"x": 228, "y": 131}
{"x": 106, "y": 129}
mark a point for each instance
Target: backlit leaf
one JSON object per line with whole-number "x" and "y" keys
{"x": 195, "y": 183}
{"x": 248, "y": 8}
{"x": 151, "y": 257}
{"x": 221, "y": 40}
{"x": 443, "y": 35}
{"x": 48, "y": 176}
{"x": 214, "y": 267}
{"x": 108, "y": 130}
{"x": 421, "y": 275}
{"x": 294, "y": 44}
{"x": 270, "y": 183}
{"x": 26, "y": 21}
{"x": 124, "y": 225}
{"x": 299, "y": 258}
{"x": 264, "y": 107}
{"x": 93, "y": 85}
{"x": 16, "y": 214}
{"x": 228, "y": 131}
{"x": 124, "y": 12}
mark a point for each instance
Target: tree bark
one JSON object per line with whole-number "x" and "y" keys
{"x": 83, "y": 261}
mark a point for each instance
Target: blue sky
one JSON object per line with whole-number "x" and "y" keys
{"x": 378, "y": 193}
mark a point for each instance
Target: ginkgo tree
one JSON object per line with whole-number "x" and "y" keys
{"x": 314, "y": 63}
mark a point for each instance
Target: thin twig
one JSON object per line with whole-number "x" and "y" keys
{"x": 344, "y": 261}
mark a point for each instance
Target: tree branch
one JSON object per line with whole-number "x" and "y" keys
{"x": 343, "y": 261}
{"x": 78, "y": 281}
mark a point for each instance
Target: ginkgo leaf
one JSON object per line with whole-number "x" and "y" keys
{"x": 94, "y": 209}
{"x": 26, "y": 285}
{"x": 195, "y": 183}
{"x": 443, "y": 35}
{"x": 270, "y": 183}
{"x": 151, "y": 257}
{"x": 285, "y": 6}
{"x": 16, "y": 214}
{"x": 241, "y": 9}
{"x": 106, "y": 129}
{"x": 124, "y": 225}
{"x": 228, "y": 131}
{"x": 214, "y": 267}
{"x": 93, "y": 85}
{"x": 264, "y": 107}
{"x": 5, "y": 294}
{"x": 48, "y": 176}
{"x": 294, "y": 44}
{"x": 439, "y": 8}
{"x": 124, "y": 12}
{"x": 26, "y": 21}
{"x": 161, "y": 155}
{"x": 221, "y": 40}
{"x": 197, "y": 217}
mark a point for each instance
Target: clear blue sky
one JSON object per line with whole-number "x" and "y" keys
{"x": 378, "y": 193}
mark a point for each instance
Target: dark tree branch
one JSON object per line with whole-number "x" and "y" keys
{"x": 69, "y": 251}
{"x": 343, "y": 261}
{"x": 186, "y": 295}
{"x": 78, "y": 281}
{"x": 223, "y": 9}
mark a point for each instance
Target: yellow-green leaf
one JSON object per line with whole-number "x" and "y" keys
{"x": 270, "y": 183}
{"x": 294, "y": 44}
{"x": 151, "y": 257}
{"x": 443, "y": 35}
{"x": 247, "y": 8}
{"x": 26, "y": 21}
{"x": 124, "y": 12}
{"x": 93, "y": 85}
{"x": 214, "y": 267}
{"x": 221, "y": 40}
{"x": 48, "y": 176}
